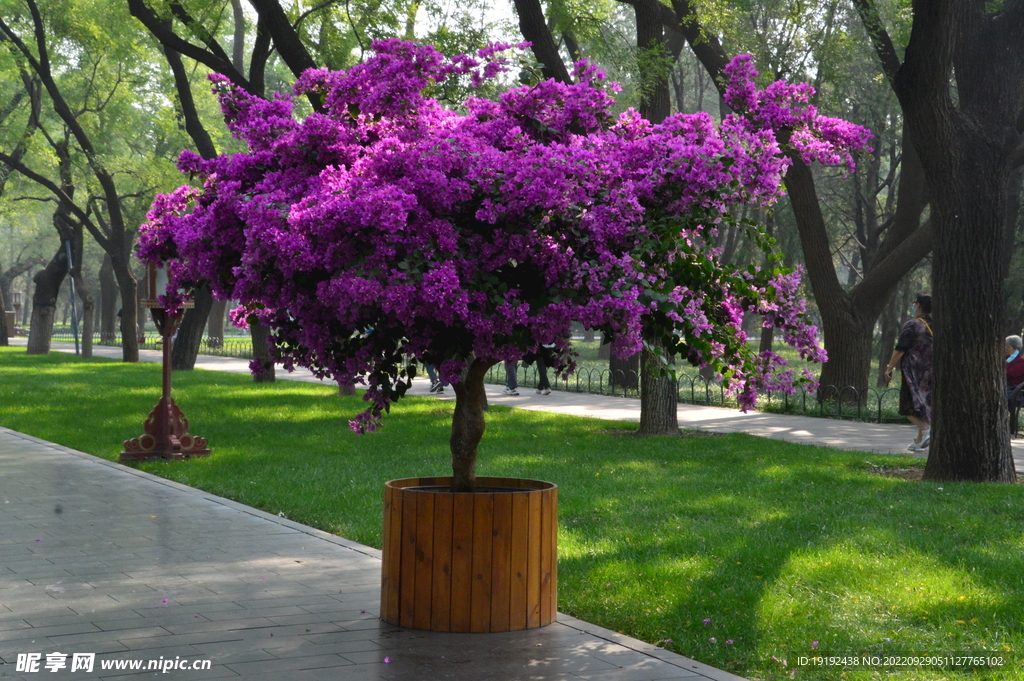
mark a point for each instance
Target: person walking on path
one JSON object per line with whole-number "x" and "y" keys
{"x": 511, "y": 379}
{"x": 913, "y": 352}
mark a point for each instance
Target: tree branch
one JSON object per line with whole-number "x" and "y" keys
{"x": 535, "y": 29}
{"x": 880, "y": 39}
{"x": 162, "y": 31}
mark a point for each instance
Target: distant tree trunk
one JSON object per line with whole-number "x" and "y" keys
{"x": 261, "y": 351}
{"x": 215, "y": 324}
{"x": 767, "y": 340}
{"x": 108, "y": 303}
{"x": 190, "y": 332}
{"x": 130, "y": 318}
{"x": 88, "y": 314}
{"x": 346, "y": 389}
{"x": 3, "y": 322}
{"x": 659, "y": 397}
{"x": 44, "y": 302}
{"x": 625, "y": 371}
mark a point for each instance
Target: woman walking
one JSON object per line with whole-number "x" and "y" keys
{"x": 914, "y": 353}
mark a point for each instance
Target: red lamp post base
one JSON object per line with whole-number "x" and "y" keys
{"x": 166, "y": 436}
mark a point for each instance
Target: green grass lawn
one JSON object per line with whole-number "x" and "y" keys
{"x": 733, "y": 550}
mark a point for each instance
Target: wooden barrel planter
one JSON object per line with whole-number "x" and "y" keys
{"x": 484, "y": 561}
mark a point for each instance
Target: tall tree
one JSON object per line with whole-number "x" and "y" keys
{"x": 961, "y": 87}
{"x": 105, "y": 214}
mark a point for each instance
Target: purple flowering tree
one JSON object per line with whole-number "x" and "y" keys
{"x": 388, "y": 230}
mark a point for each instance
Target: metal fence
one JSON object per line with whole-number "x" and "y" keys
{"x": 875, "y": 405}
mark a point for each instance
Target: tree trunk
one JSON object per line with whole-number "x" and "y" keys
{"x": 44, "y": 302}
{"x": 889, "y": 322}
{"x": 190, "y": 332}
{"x": 658, "y": 399}
{"x": 346, "y": 389}
{"x": 535, "y": 29}
{"x": 970, "y": 435}
{"x": 88, "y": 314}
{"x": 215, "y": 324}
{"x": 3, "y": 322}
{"x": 108, "y": 303}
{"x": 625, "y": 371}
{"x": 767, "y": 340}
{"x": 848, "y": 344}
{"x": 261, "y": 352}
{"x": 130, "y": 321}
{"x": 468, "y": 426}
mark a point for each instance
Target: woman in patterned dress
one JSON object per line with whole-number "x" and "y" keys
{"x": 914, "y": 353}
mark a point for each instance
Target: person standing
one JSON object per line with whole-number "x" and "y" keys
{"x": 543, "y": 361}
{"x": 913, "y": 352}
{"x": 1014, "y": 364}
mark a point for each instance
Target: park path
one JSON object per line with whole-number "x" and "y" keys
{"x": 890, "y": 438}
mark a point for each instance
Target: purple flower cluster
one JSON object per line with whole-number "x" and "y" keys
{"x": 389, "y": 227}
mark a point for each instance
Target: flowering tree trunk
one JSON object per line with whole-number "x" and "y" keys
{"x": 658, "y": 399}
{"x": 468, "y": 425}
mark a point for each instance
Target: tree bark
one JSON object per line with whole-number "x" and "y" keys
{"x": 969, "y": 147}
{"x": 468, "y": 425}
{"x": 215, "y": 324}
{"x": 624, "y": 372}
{"x": 190, "y": 332}
{"x": 108, "y": 303}
{"x": 261, "y": 351}
{"x": 44, "y": 302}
{"x": 659, "y": 397}
{"x": 130, "y": 322}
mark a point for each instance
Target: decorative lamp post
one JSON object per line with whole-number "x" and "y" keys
{"x": 166, "y": 435}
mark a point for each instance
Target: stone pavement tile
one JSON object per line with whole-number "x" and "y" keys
{"x": 301, "y": 648}
{"x": 100, "y": 636}
{"x": 656, "y": 671}
{"x": 287, "y": 666}
{"x": 201, "y": 624}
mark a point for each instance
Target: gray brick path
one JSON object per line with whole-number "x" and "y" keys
{"x": 99, "y": 558}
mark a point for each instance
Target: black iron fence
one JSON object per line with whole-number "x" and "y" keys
{"x": 870, "y": 404}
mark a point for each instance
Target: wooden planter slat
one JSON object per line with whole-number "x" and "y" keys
{"x": 441, "y": 595}
{"x": 518, "y": 606}
{"x": 483, "y": 512}
{"x": 533, "y": 577}
{"x": 480, "y": 562}
{"x": 424, "y": 561}
{"x": 548, "y": 563}
{"x": 407, "y": 603}
{"x": 462, "y": 562}
{"x": 501, "y": 548}
{"x": 392, "y": 553}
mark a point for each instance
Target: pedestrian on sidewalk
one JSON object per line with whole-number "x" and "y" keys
{"x": 913, "y": 352}
{"x": 543, "y": 360}
{"x": 511, "y": 378}
{"x": 437, "y": 385}
{"x": 1014, "y": 365}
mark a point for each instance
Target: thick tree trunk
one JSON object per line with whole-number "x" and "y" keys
{"x": 108, "y": 303}
{"x": 889, "y": 322}
{"x": 658, "y": 399}
{"x": 535, "y": 29}
{"x": 848, "y": 343}
{"x": 468, "y": 426}
{"x": 261, "y": 352}
{"x": 215, "y": 324}
{"x": 190, "y": 332}
{"x": 970, "y": 436}
{"x": 44, "y": 302}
